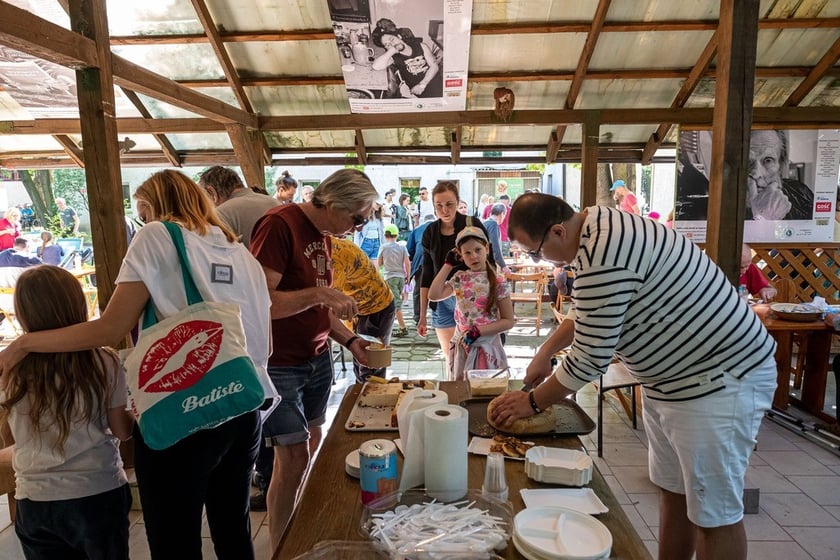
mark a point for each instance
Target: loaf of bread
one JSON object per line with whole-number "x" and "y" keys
{"x": 542, "y": 423}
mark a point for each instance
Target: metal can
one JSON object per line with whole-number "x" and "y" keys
{"x": 377, "y": 469}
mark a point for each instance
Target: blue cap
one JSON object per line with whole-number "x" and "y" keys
{"x": 619, "y": 183}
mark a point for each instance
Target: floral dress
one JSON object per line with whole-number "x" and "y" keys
{"x": 471, "y": 292}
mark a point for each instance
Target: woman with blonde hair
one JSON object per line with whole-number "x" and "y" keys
{"x": 66, "y": 412}
{"x": 9, "y": 228}
{"x": 210, "y": 469}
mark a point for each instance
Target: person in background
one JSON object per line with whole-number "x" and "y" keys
{"x": 389, "y": 207}
{"x": 69, "y": 217}
{"x": 483, "y": 308}
{"x": 415, "y": 252}
{"x": 372, "y": 235}
{"x": 286, "y": 188}
{"x": 27, "y": 216}
{"x": 753, "y": 279}
{"x": 463, "y": 208}
{"x": 293, "y": 244}
{"x": 654, "y": 216}
{"x": 425, "y": 206}
{"x": 18, "y": 255}
{"x": 503, "y": 225}
{"x": 49, "y": 252}
{"x": 706, "y": 362}
{"x": 9, "y": 228}
{"x": 402, "y": 217}
{"x": 306, "y": 193}
{"x": 393, "y": 260}
{"x": 669, "y": 221}
{"x": 67, "y": 414}
{"x": 438, "y": 240}
{"x": 216, "y": 462}
{"x": 237, "y": 205}
{"x": 493, "y": 227}
{"x": 627, "y": 201}
{"x": 356, "y": 276}
{"x": 483, "y": 202}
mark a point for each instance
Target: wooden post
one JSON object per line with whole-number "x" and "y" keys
{"x": 732, "y": 120}
{"x": 250, "y": 161}
{"x": 589, "y": 159}
{"x": 101, "y": 153}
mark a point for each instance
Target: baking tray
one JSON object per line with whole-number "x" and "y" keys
{"x": 374, "y": 418}
{"x": 571, "y": 419}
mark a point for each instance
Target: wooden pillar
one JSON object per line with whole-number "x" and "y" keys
{"x": 589, "y": 159}
{"x": 250, "y": 160}
{"x": 732, "y": 120}
{"x": 101, "y": 153}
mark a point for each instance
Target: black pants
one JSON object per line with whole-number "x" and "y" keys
{"x": 212, "y": 469}
{"x": 377, "y": 325}
{"x": 90, "y": 528}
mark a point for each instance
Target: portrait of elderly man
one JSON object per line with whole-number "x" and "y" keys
{"x": 772, "y": 194}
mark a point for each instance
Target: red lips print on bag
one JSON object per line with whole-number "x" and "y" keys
{"x": 190, "y": 347}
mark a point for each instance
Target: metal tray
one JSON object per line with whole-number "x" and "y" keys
{"x": 374, "y": 418}
{"x": 571, "y": 419}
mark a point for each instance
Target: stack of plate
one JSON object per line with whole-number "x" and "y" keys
{"x": 351, "y": 463}
{"x": 555, "y": 533}
{"x": 558, "y": 466}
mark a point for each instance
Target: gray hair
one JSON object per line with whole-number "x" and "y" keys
{"x": 347, "y": 189}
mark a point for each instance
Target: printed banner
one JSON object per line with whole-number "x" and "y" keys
{"x": 791, "y": 189}
{"x": 402, "y": 56}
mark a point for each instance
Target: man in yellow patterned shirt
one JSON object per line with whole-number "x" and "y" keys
{"x": 355, "y": 275}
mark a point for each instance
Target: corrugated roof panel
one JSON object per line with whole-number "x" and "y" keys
{"x": 773, "y": 92}
{"x": 270, "y": 14}
{"x": 598, "y": 94}
{"x": 545, "y": 94}
{"x": 312, "y": 139}
{"x": 658, "y": 10}
{"x": 793, "y": 47}
{"x": 299, "y": 100}
{"x": 407, "y": 137}
{"x": 531, "y": 52}
{"x": 203, "y": 141}
{"x": 517, "y": 11}
{"x": 825, "y": 94}
{"x": 188, "y": 61}
{"x": 285, "y": 58}
{"x": 163, "y": 110}
{"x": 152, "y": 17}
{"x": 510, "y": 135}
{"x": 648, "y": 49}
{"x": 28, "y": 143}
{"x": 614, "y": 133}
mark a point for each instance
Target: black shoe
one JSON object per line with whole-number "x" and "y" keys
{"x": 258, "y": 502}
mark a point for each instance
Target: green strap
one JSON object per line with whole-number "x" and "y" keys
{"x": 193, "y": 295}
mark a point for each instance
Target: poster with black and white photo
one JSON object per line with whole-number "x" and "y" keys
{"x": 402, "y": 56}
{"x": 791, "y": 185}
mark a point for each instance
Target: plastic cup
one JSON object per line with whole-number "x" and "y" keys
{"x": 495, "y": 484}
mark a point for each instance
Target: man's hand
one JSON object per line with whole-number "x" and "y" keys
{"x": 359, "y": 350}
{"x": 342, "y": 306}
{"x": 767, "y": 293}
{"x": 12, "y": 355}
{"x": 538, "y": 370}
{"x": 422, "y": 329}
{"x": 511, "y": 406}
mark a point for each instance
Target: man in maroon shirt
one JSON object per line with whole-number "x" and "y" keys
{"x": 292, "y": 244}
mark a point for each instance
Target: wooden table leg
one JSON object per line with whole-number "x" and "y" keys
{"x": 784, "y": 351}
{"x": 816, "y": 371}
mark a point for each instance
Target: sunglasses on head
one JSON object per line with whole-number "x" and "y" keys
{"x": 359, "y": 221}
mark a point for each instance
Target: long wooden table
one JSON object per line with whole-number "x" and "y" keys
{"x": 818, "y": 351}
{"x": 330, "y": 507}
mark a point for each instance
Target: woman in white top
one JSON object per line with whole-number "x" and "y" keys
{"x": 211, "y": 468}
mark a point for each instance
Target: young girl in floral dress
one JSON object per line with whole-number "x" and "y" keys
{"x": 483, "y": 308}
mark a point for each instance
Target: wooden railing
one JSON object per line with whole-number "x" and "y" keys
{"x": 814, "y": 267}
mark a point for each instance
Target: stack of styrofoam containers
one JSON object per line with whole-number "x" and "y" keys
{"x": 558, "y": 466}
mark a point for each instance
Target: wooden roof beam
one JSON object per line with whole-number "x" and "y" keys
{"x": 683, "y": 95}
{"x": 71, "y": 148}
{"x": 824, "y": 65}
{"x": 480, "y": 29}
{"x": 361, "y": 152}
{"x": 165, "y": 145}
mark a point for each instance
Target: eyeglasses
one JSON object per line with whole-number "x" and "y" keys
{"x": 536, "y": 255}
{"x": 359, "y": 221}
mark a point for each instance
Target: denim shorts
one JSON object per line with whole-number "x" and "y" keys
{"x": 701, "y": 448}
{"x": 304, "y": 390}
{"x": 443, "y": 317}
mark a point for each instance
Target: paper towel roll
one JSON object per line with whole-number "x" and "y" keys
{"x": 410, "y": 418}
{"x": 445, "y": 451}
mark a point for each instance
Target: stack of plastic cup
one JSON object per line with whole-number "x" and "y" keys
{"x": 495, "y": 484}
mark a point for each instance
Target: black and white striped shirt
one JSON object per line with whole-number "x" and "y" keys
{"x": 649, "y": 296}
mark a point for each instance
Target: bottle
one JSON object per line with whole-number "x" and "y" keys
{"x": 742, "y": 291}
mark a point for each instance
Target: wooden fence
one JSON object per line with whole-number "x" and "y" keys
{"x": 814, "y": 268}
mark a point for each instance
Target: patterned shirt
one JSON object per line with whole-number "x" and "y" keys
{"x": 649, "y": 296}
{"x": 471, "y": 291}
{"x": 356, "y": 276}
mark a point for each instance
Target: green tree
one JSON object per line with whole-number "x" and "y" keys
{"x": 71, "y": 185}
{"x": 38, "y": 185}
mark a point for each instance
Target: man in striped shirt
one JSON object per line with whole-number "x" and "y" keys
{"x": 648, "y": 296}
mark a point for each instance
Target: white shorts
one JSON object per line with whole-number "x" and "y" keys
{"x": 701, "y": 447}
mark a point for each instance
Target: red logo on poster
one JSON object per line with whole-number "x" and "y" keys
{"x": 192, "y": 346}
{"x": 454, "y": 83}
{"x": 823, "y": 207}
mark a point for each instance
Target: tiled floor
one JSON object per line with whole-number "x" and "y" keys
{"x": 799, "y": 482}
